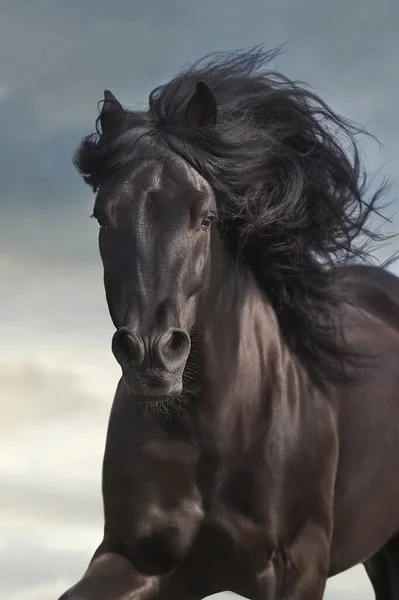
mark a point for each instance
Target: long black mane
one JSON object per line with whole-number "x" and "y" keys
{"x": 288, "y": 178}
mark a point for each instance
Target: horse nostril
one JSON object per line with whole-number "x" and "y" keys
{"x": 128, "y": 346}
{"x": 177, "y": 340}
{"x": 173, "y": 349}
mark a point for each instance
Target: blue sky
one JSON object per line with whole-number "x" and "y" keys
{"x": 57, "y": 374}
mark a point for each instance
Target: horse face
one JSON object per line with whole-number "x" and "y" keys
{"x": 156, "y": 219}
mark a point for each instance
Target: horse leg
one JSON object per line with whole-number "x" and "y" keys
{"x": 377, "y": 570}
{"x": 383, "y": 571}
{"x": 111, "y": 576}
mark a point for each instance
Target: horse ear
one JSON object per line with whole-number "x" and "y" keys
{"x": 201, "y": 109}
{"x": 111, "y": 111}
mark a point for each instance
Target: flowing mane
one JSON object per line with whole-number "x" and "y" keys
{"x": 287, "y": 175}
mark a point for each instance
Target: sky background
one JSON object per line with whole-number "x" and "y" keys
{"x": 57, "y": 373}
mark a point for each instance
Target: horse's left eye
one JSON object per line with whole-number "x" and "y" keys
{"x": 207, "y": 221}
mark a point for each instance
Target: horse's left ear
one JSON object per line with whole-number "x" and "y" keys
{"x": 201, "y": 109}
{"x": 111, "y": 112}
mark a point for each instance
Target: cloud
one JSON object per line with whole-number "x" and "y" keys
{"x": 40, "y": 393}
{"x": 25, "y": 565}
{"x": 46, "y": 501}
{"x": 53, "y": 428}
{"x": 47, "y": 591}
{"x": 69, "y": 76}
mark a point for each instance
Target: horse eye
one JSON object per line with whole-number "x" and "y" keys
{"x": 207, "y": 221}
{"x": 101, "y": 221}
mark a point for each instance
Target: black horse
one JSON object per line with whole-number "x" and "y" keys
{"x": 253, "y": 439}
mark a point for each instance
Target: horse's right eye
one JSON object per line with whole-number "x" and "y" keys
{"x": 100, "y": 220}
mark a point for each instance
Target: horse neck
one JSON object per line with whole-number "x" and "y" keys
{"x": 245, "y": 361}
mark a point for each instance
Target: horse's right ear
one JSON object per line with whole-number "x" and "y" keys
{"x": 111, "y": 113}
{"x": 201, "y": 109}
